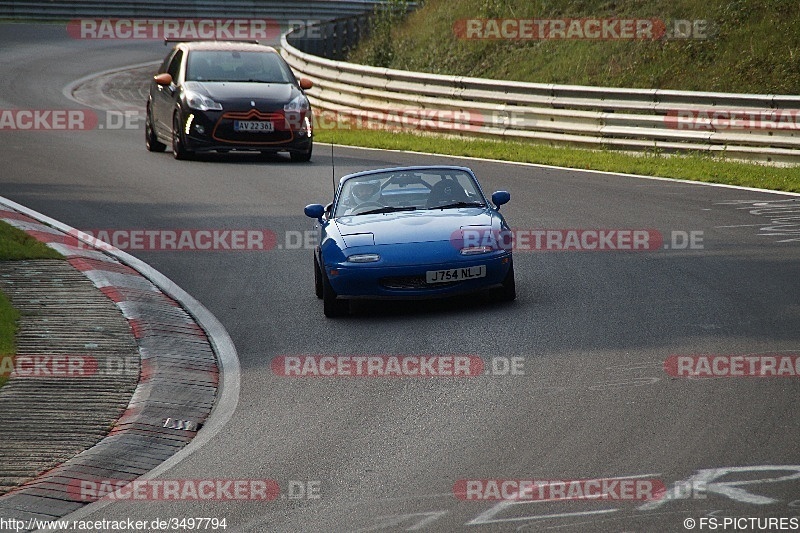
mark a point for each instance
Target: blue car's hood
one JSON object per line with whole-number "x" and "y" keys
{"x": 413, "y": 226}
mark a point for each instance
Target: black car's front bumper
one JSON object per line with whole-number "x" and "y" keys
{"x": 205, "y": 131}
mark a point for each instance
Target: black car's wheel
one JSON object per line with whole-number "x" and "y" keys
{"x": 317, "y": 279}
{"x": 179, "y": 150}
{"x": 508, "y": 292}
{"x": 332, "y": 306}
{"x": 150, "y": 138}
{"x": 302, "y": 157}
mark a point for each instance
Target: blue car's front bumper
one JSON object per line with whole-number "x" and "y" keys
{"x": 384, "y": 280}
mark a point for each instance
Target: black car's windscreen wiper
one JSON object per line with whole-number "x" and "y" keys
{"x": 387, "y": 209}
{"x": 459, "y": 204}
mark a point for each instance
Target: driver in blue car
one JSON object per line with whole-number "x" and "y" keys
{"x": 366, "y": 193}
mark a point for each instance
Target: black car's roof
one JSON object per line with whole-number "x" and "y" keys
{"x": 227, "y": 45}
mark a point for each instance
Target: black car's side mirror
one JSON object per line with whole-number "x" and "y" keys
{"x": 165, "y": 79}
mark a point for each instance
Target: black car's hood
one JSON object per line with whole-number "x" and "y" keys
{"x": 237, "y": 91}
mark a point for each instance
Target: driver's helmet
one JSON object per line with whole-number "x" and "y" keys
{"x": 366, "y": 191}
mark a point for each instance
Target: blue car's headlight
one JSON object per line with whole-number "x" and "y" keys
{"x": 363, "y": 258}
{"x": 475, "y": 250}
{"x": 201, "y": 102}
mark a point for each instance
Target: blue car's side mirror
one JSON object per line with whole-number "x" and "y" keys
{"x": 500, "y": 197}
{"x": 314, "y": 211}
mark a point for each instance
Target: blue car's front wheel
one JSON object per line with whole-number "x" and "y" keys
{"x": 317, "y": 279}
{"x": 333, "y": 307}
{"x": 508, "y": 292}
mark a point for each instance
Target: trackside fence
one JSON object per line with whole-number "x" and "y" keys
{"x": 761, "y": 127}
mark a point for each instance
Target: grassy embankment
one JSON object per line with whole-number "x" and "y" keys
{"x": 15, "y": 245}
{"x": 753, "y": 48}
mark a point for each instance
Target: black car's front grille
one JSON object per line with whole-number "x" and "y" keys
{"x": 224, "y": 130}
{"x": 412, "y": 282}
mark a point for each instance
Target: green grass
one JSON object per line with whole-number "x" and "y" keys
{"x": 8, "y": 329}
{"x": 15, "y": 244}
{"x": 754, "y": 45}
{"x": 689, "y": 167}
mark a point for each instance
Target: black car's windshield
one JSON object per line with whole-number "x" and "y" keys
{"x": 236, "y": 66}
{"x": 408, "y": 190}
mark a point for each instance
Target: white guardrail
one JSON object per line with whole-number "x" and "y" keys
{"x": 740, "y": 126}
{"x": 279, "y": 10}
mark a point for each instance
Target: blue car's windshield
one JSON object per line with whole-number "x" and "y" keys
{"x": 408, "y": 190}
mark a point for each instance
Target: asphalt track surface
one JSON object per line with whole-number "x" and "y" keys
{"x": 593, "y": 328}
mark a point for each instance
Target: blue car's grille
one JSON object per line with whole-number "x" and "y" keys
{"x": 411, "y": 282}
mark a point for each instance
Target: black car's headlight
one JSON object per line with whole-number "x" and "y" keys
{"x": 201, "y": 102}
{"x": 299, "y": 103}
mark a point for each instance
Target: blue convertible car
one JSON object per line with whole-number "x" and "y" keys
{"x": 410, "y": 232}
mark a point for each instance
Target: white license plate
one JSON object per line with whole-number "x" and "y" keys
{"x": 455, "y": 274}
{"x": 258, "y": 126}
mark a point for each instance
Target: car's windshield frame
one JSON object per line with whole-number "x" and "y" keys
{"x": 412, "y": 186}
{"x": 231, "y": 66}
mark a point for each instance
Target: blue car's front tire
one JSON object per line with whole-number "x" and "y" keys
{"x": 508, "y": 292}
{"x": 333, "y": 307}
{"x": 318, "y": 290}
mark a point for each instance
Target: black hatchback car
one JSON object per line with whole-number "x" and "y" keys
{"x": 223, "y": 96}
